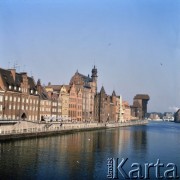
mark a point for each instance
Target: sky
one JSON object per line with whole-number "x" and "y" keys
{"x": 135, "y": 44}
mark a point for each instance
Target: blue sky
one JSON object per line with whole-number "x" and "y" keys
{"x": 135, "y": 44}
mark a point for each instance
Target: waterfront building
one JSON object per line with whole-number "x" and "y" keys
{"x": 127, "y": 111}
{"x": 115, "y": 106}
{"x": 106, "y": 107}
{"x": 75, "y": 103}
{"x": 62, "y": 99}
{"x": 154, "y": 116}
{"x": 117, "y": 109}
{"x": 21, "y": 99}
{"x": 69, "y": 101}
{"x": 79, "y": 104}
{"x": 72, "y": 103}
{"x": 56, "y": 107}
{"x": 168, "y": 116}
{"x": 139, "y": 107}
{"x": 121, "y": 111}
{"x": 45, "y": 103}
{"x": 88, "y": 86}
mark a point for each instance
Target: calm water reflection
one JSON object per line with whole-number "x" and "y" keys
{"x": 84, "y": 155}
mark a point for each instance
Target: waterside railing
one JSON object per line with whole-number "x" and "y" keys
{"x": 59, "y": 127}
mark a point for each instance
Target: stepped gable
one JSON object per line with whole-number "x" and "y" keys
{"x": 85, "y": 78}
{"x": 80, "y": 79}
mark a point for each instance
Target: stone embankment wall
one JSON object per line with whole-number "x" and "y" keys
{"x": 25, "y": 129}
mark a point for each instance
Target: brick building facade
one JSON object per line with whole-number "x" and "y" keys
{"x": 21, "y": 98}
{"x": 106, "y": 107}
{"x": 126, "y": 111}
{"x": 88, "y": 87}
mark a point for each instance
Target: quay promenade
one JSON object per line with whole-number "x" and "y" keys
{"x": 26, "y": 129}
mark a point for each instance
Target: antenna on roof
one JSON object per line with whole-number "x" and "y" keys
{"x": 15, "y": 66}
{"x": 8, "y": 64}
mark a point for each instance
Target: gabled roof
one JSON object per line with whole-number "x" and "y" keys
{"x": 7, "y": 78}
{"x": 67, "y": 87}
{"x": 85, "y": 78}
{"x": 55, "y": 87}
{"x": 102, "y": 90}
{"x": 43, "y": 93}
{"x": 31, "y": 83}
{"x": 113, "y": 93}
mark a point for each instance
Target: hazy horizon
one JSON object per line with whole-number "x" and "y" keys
{"x": 134, "y": 44}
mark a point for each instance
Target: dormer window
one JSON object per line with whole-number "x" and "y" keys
{"x": 10, "y": 87}
{"x": 15, "y": 88}
{"x": 31, "y": 91}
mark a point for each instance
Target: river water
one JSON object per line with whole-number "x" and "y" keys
{"x": 84, "y": 155}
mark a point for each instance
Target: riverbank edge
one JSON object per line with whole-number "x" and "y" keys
{"x": 9, "y": 137}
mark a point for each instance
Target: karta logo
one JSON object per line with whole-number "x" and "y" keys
{"x": 116, "y": 170}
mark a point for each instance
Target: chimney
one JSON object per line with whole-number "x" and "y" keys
{"x": 39, "y": 86}
{"x": 13, "y": 72}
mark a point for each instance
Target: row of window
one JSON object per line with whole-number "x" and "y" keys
{"x": 23, "y": 89}
{"x": 72, "y": 105}
{"x": 13, "y": 117}
{"x": 54, "y": 103}
{"x": 15, "y": 88}
{"x": 46, "y": 103}
{"x": 17, "y": 99}
{"x": 79, "y": 113}
{"x": 31, "y": 108}
{"x": 45, "y": 109}
{"x": 74, "y": 113}
{"x": 32, "y": 117}
{"x": 54, "y": 110}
